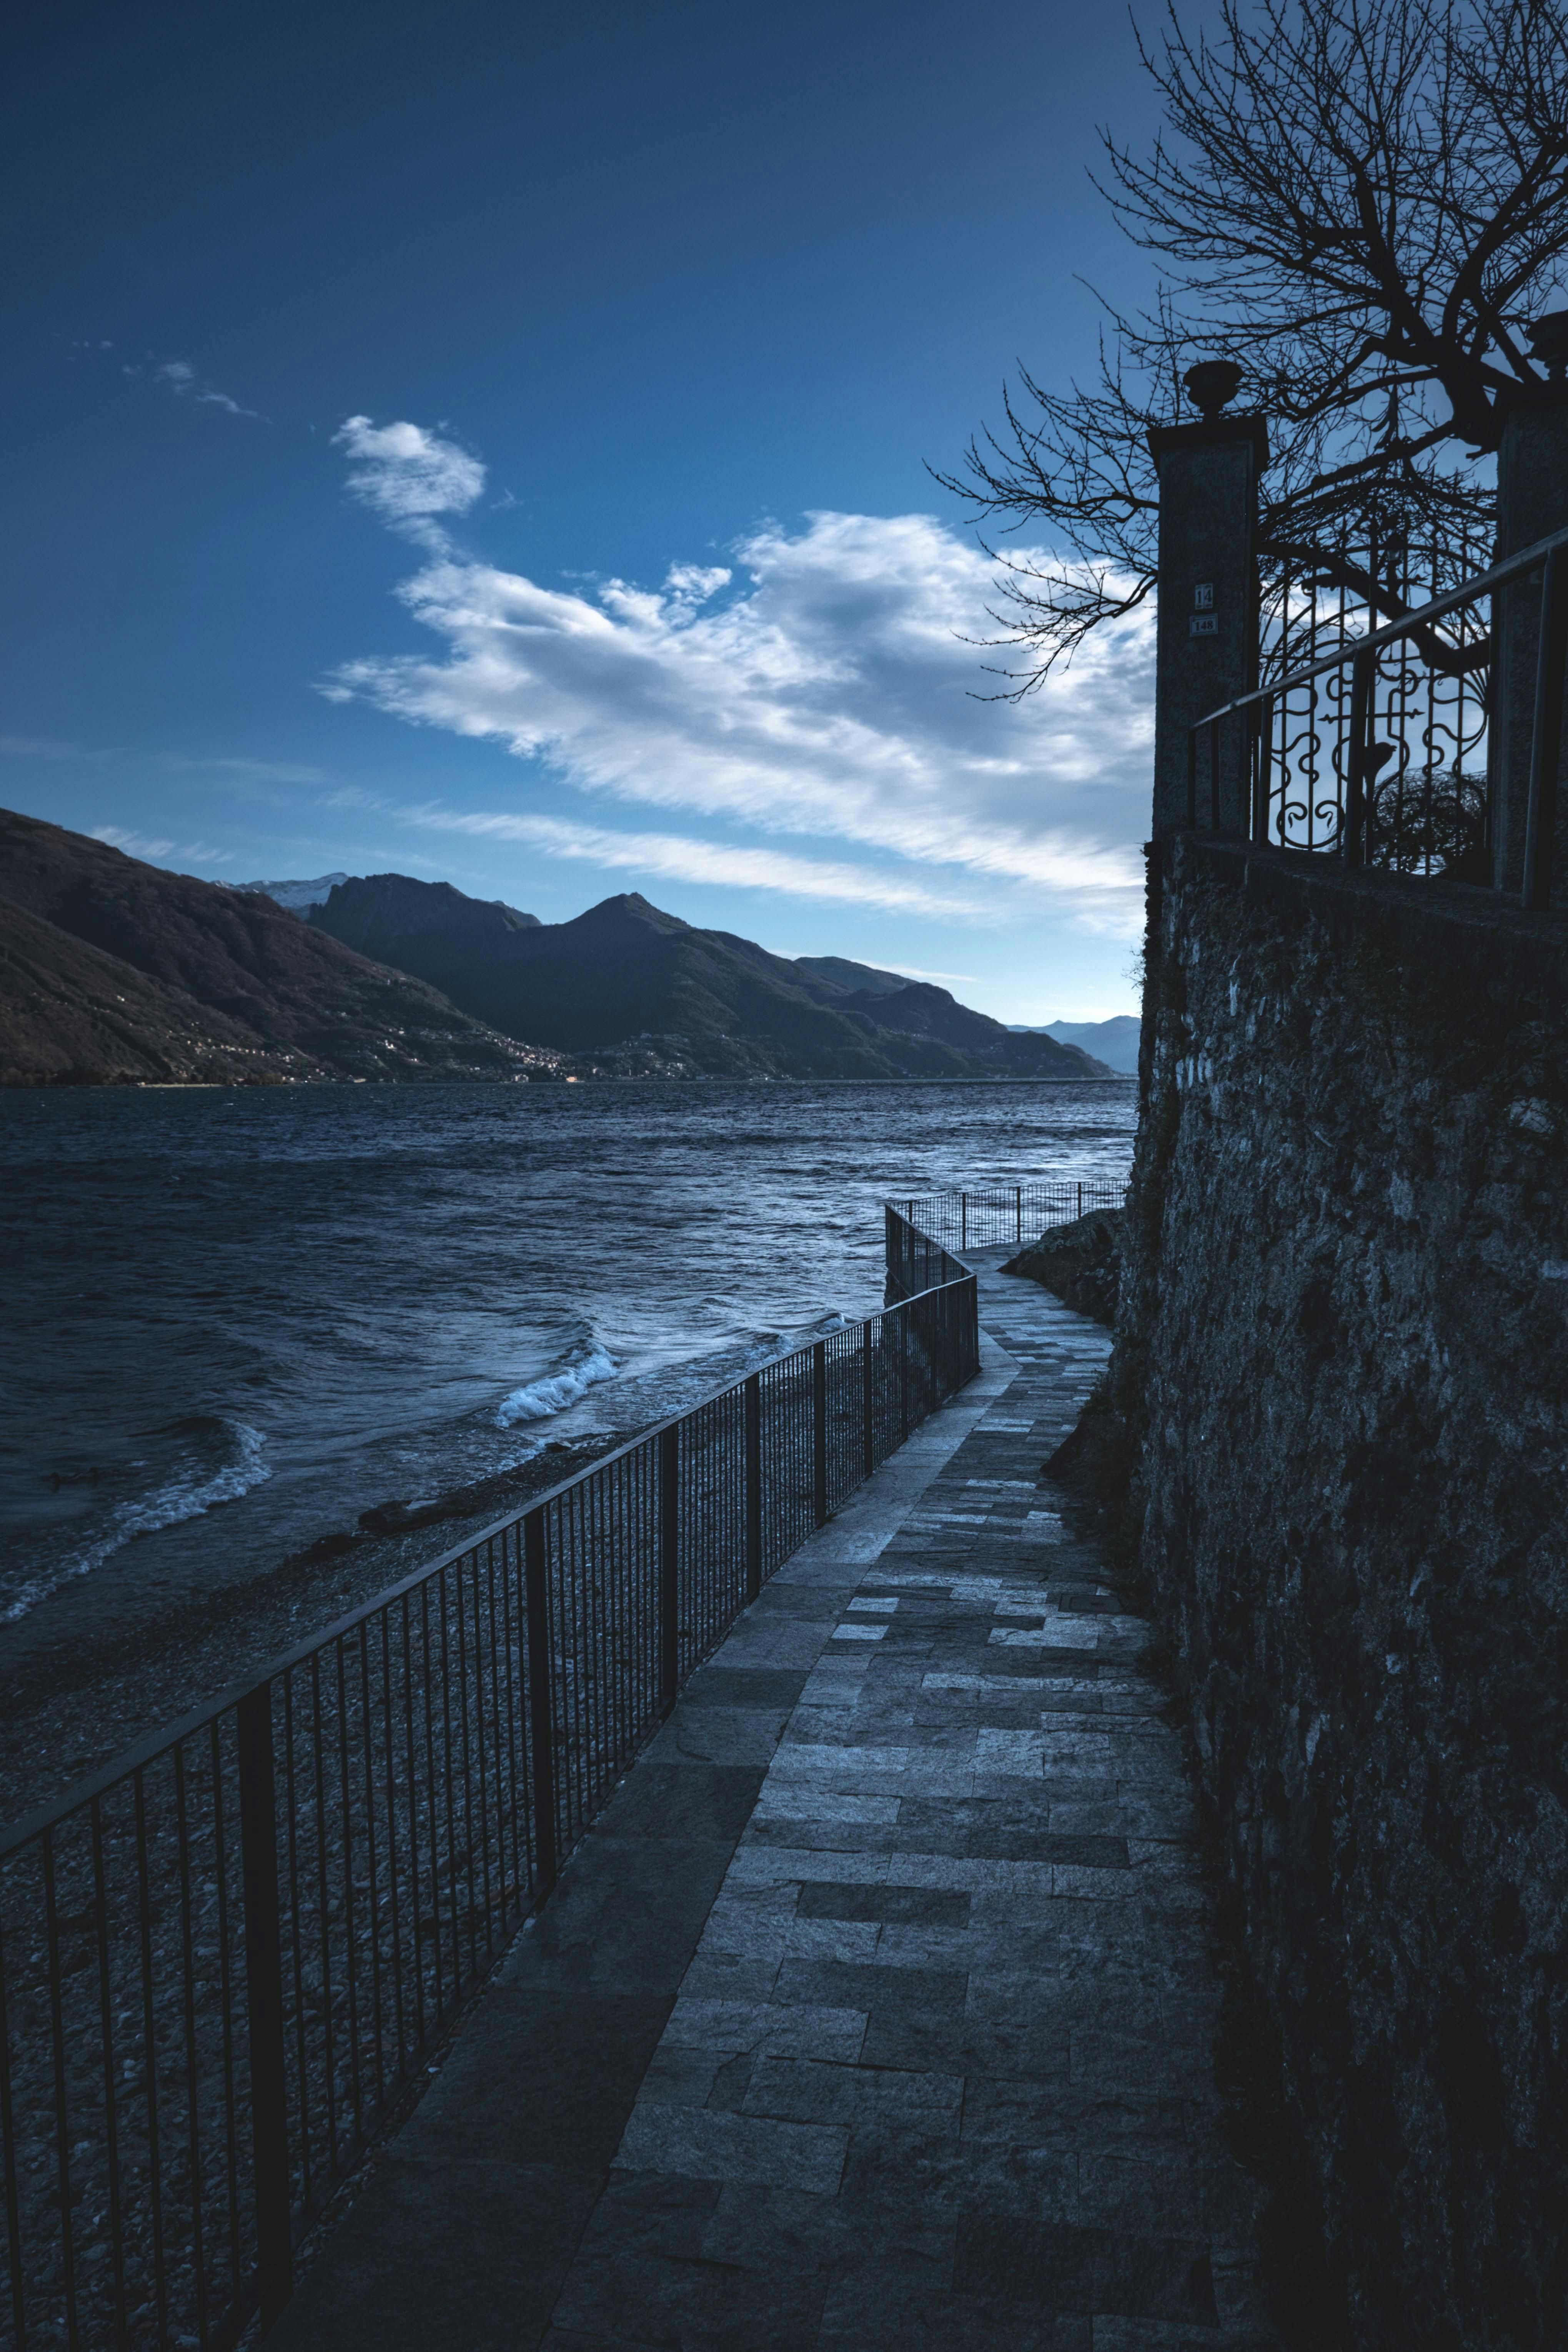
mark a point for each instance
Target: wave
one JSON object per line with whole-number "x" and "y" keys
{"x": 536, "y": 1400}
{"x": 198, "y": 1485}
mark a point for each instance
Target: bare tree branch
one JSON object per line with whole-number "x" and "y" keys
{"x": 1359, "y": 203}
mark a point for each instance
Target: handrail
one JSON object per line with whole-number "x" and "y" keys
{"x": 226, "y": 1956}
{"x": 158, "y": 1743}
{"x": 1356, "y": 815}
{"x": 989, "y": 1216}
{"x": 1513, "y": 567}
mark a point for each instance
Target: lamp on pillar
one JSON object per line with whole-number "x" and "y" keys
{"x": 1532, "y": 502}
{"x": 1207, "y": 627}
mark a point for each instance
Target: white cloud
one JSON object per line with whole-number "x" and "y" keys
{"x": 134, "y": 844}
{"x": 181, "y": 378}
{"x": 819, "y": 686}
{"x": 263, "y": 772}
{"x": 408, "y": 476}
{"x": 40, "y": 747}
{"x": 353, "y": 796}
{"x": 942, "y": 979}
{"x": 679, "y": 859}
{"x": 137, "y": 844}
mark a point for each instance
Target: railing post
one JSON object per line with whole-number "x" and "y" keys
{"x": 903, "y": 1374}
{"x": 541, "y": 1705}
{"x": 963, "y": 1221}
{"x": 1019, "y": 1192}
{"x": 868, "y": 1402}
{"x": 1546, "y": 739}
{"x": 819, "y": 1431}
{"x": 973, "y": 1332}
{"x": 753, "y": 1485}
{"x": 1080, "y": 1200}
{"x": 668, "y": 1565}
{"x": 264, "y": 2002}
{"x": 1353, "y": 838}
{"x": 1532, "y": 503}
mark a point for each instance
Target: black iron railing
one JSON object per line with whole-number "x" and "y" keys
{"x": 1319, "y": 775}
{"x": 992, "y": 1217}
{"x": 226, "y": 1959}
{"x": 1426, "y": 703}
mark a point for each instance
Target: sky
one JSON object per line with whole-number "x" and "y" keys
{"x": 491, "y": 445}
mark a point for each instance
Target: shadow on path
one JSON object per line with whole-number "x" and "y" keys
{"x": 877, "y": 2008}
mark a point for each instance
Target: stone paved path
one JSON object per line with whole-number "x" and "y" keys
{"x": 876, "y": 2012}
{"x": 938, "y": 2075}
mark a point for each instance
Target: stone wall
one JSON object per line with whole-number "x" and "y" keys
{"x": 1345, "y": 1340}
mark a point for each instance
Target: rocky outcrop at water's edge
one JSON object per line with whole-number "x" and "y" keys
{"x": 1080, "y": 1262}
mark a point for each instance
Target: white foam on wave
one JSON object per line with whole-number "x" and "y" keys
{"x": 191, "y": 1490}
{"x": 536, "y": 1400}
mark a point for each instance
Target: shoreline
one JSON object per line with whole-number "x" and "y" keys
{"x": 68, "y": 1085}
{"x": 69, "y": 1707}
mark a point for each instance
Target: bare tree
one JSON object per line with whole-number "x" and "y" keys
{"x": 1361, "y": 204}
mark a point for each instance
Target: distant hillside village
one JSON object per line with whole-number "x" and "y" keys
{"x": 115, "y": 972}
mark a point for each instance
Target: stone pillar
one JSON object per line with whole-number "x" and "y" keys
{"x": 1532, "y": 500}
{"x": 1207, "y": 640}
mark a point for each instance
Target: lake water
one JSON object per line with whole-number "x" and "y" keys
{"x": 238, "y": 1319}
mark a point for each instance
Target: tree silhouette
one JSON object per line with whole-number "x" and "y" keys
{"x": 1362, "y": 205}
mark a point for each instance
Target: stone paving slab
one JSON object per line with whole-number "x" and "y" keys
{"x": 461, "y": 2232}
{"x": 878, "y": 2011}
{"x": 938, "y": 2075}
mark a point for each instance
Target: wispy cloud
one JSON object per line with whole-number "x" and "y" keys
{"x": 41, "y": 747}
{"x": 408, "y": 476}
{"x": 353, "y": 796}
{"x": 181, "y": 378}
{"x": 134, "y": 844}
{"x": 139, "y": 845}
{"x": 942, "y": 979}
{"x": 177, "y": 376}
{"x": 677, "y": 857}
{"x": 818, "y": 687}
{"x": 261, "y": 771}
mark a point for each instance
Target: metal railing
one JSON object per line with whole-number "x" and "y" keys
{"x": 226, "y": 1958}
{"x": 1426, "y": 714}
{"x": 1416, "y": 818}
{"x": 992, "y": 1217}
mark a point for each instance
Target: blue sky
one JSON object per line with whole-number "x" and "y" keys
{"x": 489, "y": 444}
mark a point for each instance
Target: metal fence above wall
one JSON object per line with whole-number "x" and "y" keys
{"x": 1363, "y": 752}
{"x": 993, "y": 1215}
{"x": 226, "y": 1960}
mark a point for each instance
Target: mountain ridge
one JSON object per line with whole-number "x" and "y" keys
{"x": 1114, "y": 1042}
{"x": 116, "y": 971}
{"x": 625, "y": 968}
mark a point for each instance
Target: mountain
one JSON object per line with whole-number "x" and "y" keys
{"x": 1115, "y": 1041}
{"x": 114, "y": 970}
{"x": 625, "y": 974}
{"x": 853, "y": 976}
{"x": 298, "y": 896}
